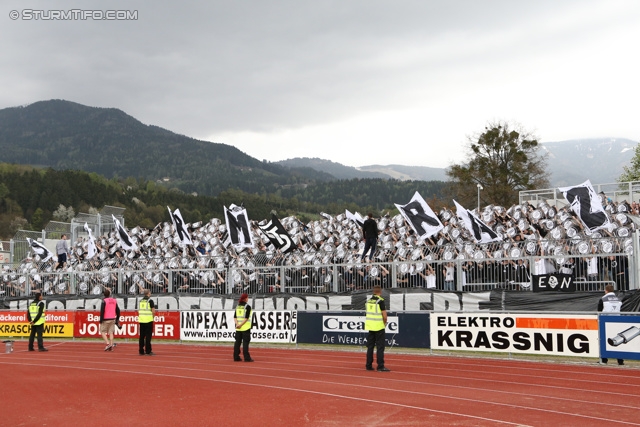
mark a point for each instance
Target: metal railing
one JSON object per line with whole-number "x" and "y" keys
{"x": 617, "y": 191}
{"x": 590, "y": 272}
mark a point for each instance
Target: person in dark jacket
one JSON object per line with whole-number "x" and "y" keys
{"x": 610, "y": 303}
{"x": 370, "y": 236}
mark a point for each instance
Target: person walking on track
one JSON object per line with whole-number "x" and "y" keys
{"x": 109, "y": 315}
{"x": 37, "y": 317}
{"x": 146, "y": 313}
{"x": 375, "y": 323}
{"x": 242, "y": 319}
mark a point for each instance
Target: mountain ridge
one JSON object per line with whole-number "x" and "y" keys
{"x": 68, "y": 135}
{"x": 569, "y": 162}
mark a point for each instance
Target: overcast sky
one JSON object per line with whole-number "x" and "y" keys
{"x": 357, "y": 82}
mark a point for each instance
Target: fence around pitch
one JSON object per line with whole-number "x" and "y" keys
{"x": 590, "y": 273}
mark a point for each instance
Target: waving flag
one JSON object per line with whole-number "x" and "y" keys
{"x": 277, "y": 235}
{"x": 586, "y": 204}
{"x": 91, "y": 244}
{"x": 125, "y": 241}
{"x": 40, "y": 250}
{"x": 238, "y": 226}
{"x": 181, "y": 229}
{"x": 478, "y": 229}
{"x": 357, "y": 218}
{"x": 422, "y": 219}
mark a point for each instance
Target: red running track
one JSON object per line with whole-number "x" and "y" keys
{"x": 78, "y": 383}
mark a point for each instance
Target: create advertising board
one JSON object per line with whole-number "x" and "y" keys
{"x": 551, "y": 334}
{"x": 345, "y": 328}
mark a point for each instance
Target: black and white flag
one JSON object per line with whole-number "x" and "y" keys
{"x": 553, "y": 282}
{"x": 326, "y": 216}
{"x": 420, "y": 216}
{"x": 40, "y": 250}
{"x": 181, "y": 229}
{"x": 478, "y": 229}
{"x": 238, "y": 226}
{"x": 125, "y": 241}
{"x": 356, "y": 217}
{"x": 91, "y": 244}
{"x": 277, "y": 235}
{"x": 586, "y": 204}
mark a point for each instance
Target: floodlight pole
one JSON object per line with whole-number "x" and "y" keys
{"x": 479, "y": 188}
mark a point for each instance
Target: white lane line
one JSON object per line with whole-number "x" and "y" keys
{"x": 448, "y": 377}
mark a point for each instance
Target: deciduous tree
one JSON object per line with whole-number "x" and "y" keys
{"x": 504, "y": 161}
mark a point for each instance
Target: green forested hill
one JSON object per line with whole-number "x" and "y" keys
{"x": 29, "y": 197}
{"x": 65, "y": 135}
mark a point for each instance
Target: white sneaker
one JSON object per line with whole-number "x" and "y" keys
{"x": 107, "y": 348}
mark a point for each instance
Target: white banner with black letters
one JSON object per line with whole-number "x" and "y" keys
{"x": 277, "y": 234}
{"x": 179, "y": 226}
{"x": 266, "y": 326}
{"x": 478, "y": 229}
{"x": 551, "y": 334}
{"x": 420, "y": 216}
{"x": 586, "y": 204}
{"x": 238, "y": 226}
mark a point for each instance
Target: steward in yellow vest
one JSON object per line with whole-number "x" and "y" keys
{"x": 37, "y": 317}
{"x": 375, "y": 322}
{"x": 242, "y": 320}
{"x": 146, "y": 313}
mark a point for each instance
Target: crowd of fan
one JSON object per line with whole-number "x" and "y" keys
{"x": 535, "y": 239}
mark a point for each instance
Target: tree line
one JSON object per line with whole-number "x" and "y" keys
{"x": 31, "y": 197}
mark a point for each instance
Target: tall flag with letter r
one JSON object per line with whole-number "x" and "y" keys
{"x": 277, "y": 235}
{"x": 125, "y": 241}
{"x": 586, "y": 204}
{"x": 181, "y": 229}
{"x": 478, "y": 229}
{"x": 421, "y": 217}
{"x": 238, "y": 226}
{"x": 91, "y": 244}
{"x": 40, "y": 250}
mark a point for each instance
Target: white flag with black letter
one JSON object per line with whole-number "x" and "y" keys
{"x": 91, "y": 244}
{"x": 478, "y": 229}
{"x": 277, "y": 235}
{"x": 40, "y": 250}
{"x": 356, "y": 217}
{"x": 586, "y": 204}
{"x": 125, "y": 241}
{"x": 420, "y": 216}
{"x": 181, "y": 229}
{"x": 238, "y": 226}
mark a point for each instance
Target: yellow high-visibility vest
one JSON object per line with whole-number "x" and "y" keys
{"x": 241, "y": 311}
{"x": 144, "y": 312}
{"x": 34, "y": 309}
{"x": 374, "y": 321}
